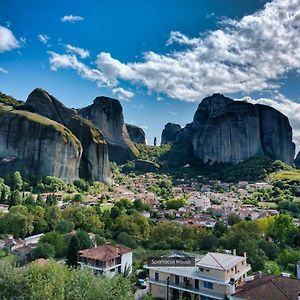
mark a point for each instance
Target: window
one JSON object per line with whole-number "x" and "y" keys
{"x": 201, "y": 269}
{"x": 196, "y": 284}
{"x": 176, "y": 279}
{"x": 184, "y": 279}
{"x": 208, "y": 285}
{"x": 156, "y": 276}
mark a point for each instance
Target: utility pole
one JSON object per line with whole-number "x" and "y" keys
{"x": 168, "y": 283}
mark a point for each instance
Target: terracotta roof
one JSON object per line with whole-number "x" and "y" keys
{"x": 276, "y": 287}
{"x": 105, "y": 252}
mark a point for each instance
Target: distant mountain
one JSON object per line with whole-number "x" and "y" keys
{"x": 136, "y": 134}
{"x": 228, "y": 131}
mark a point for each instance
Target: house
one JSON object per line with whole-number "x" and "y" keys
{"x": 268, "y": 287}
{"x": 107, "y": 259}
{"x": 202, "y": 202}
{"x": 212, "y": 277}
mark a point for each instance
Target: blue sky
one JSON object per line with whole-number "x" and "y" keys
{"x": 160, "y": 58}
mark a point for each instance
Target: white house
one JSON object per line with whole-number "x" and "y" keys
{"x": 107, "y": 259}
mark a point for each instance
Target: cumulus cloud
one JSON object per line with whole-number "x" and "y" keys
{"x": 246, "y": 55}
{"x": 3, "y": 71}
{"x": 43, "y": 38}
{"x": 69, "y": 61}
{"x": 286, "y": 106}
{"x": 81, "y": 52}
{"x": 8, "y": 41}
{"x": 72, "y": 19}
{"x": 122, "y": 94}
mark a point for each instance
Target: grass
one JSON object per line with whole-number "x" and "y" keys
{"x": 293, "y": 175}
{"x": 8, "y": 100}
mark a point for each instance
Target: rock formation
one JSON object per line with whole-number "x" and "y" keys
{"x": 94, "y": 162}
{"x": 228, "y": 131}
{"x": 107, "y": 115}
{"x": 297, "y": 161}
{"x": 170, "y": 133}
{"x": 35, "y": 145}
{"x": 136, "y": 134}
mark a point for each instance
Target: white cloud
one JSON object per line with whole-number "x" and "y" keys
{"x": 81, "y": 52}
{"x": 246, "y": 55}
{"x": 69, "y": 61}
{"x": 122, "y": 94}
{"x": 8, "y": 41}
{"x": 3, "y": 71}
{"x": 286, "y": 106}
{"x": 71, "y": 19}
{"x": 43, "y": 38}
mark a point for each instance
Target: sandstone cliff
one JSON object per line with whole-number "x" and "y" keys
{"x": 170, "y": 133}
{"x": 35, "y": 145}
{"x": 228, "y": 131}
{"x": 107, "y": 115}
{"x": 136, "y": 134}
{"x": 94, "y": 162}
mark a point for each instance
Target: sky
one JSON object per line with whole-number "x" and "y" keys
{"x": 159, "y": 58}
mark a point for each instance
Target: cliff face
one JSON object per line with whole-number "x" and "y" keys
{"x": 35, "y": 145}
{"x": 107, "y": 115}
{"x": 170, "y": 133}
{"x": 94, "y": 162}
{"x": 136, "y": 134}
{"x": 228, "y": 131}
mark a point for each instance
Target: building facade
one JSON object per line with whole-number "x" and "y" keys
{"x": 214, "y": 277}
{"x": 107, "y": 260}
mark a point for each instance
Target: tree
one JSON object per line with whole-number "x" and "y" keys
{"x": 64, "y": 226}
{"x": 44, "y": 250}
{"x": 53, "y": 216}
{"x": 81, "y": 185}
{"x": 115, "y": 212}
{"x": 51, "y": 200}
{"x": 15, "y": 198}
{"x": 126, "y": 239}
{"x": 220, "y": 228}
{"x": 233, "y": 219}
{"x": 72, "y": 252}
{"x": 78, "y": 198}
{"x": 15, "y": 181}
{"x": 282, "y": 225}
{"x": 84, "y": 240}
{"x": 57, "y": 240}
{"x": 29, "y": 200}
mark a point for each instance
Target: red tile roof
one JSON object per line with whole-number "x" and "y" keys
{"x": 270, "y": 287}
{"x": 104, "y": 252}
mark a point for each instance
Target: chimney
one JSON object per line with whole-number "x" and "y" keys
{"x": 259, "y": 274}
{"x": 245, "y": 254}
{"x": 234, "y": 251}
{"x": 298, "y": 270}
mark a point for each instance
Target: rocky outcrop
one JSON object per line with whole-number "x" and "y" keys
{"x": 136, "y": 134}
{"x": 297, "y": 161}
{"x": 35, "y": 145}
{"x": 107, "y": 115}
{"x": 94, "y": 163}
{"x": 228, "y": 131}
{"x": 170, "y": 133}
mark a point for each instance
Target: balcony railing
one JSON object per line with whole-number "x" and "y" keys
{"x": 188, "y": 287}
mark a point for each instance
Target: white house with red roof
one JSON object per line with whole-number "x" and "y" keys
{"x": 107, "y": 260}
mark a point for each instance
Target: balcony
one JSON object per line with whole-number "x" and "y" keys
{"x": 186, "y": 287}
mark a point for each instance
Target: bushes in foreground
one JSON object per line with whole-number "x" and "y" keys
{"x": 52, "y": 281}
